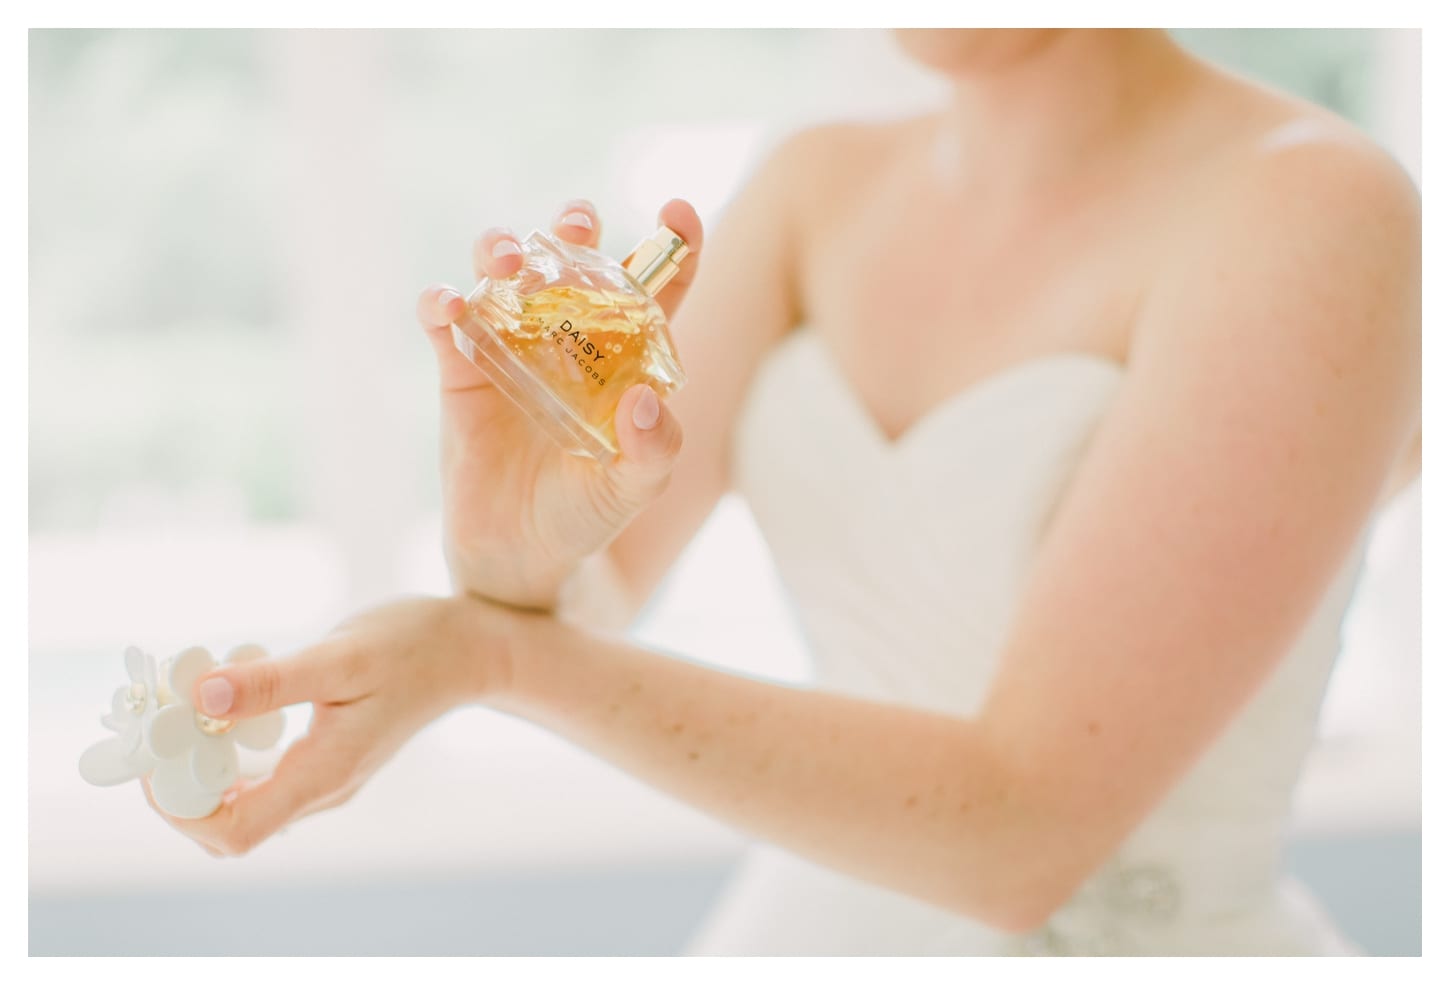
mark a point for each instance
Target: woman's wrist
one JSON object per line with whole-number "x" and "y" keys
{"x": 497, "y": 642}
{"x": 592, "y": 593}
{"x": 506, "y": 641}
{"x": 530, "y": 590}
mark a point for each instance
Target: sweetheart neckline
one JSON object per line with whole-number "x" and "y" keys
{"x": 972, "y": 393}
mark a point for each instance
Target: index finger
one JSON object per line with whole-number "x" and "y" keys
{"x": 681, "y": 216}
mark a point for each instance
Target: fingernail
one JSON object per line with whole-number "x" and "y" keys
{"x": 646, "y": 411}
{"x": 216, "y": 696}
{"x": 506, "y": 248}
{"x": 580, "y": 219}
{"x": 452, "y": 303}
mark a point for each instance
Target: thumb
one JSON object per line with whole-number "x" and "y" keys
{"x": 649, "y": 442}
{"x": 245, "y": 690}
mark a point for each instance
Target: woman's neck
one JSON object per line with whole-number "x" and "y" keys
{"x": 1023, "y": 127}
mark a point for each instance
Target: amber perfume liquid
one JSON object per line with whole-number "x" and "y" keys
{"x": 568, "y": 334}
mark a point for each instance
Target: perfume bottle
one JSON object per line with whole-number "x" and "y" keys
{"x": 572, "y": 330}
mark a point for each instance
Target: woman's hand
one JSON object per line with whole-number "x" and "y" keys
{"x": 519, "y": 512}
{"x": 375, "y": 681}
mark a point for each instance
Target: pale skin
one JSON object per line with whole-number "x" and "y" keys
{"x": 1252, "y": 261}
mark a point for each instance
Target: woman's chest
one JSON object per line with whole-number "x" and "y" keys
{"x": 917, "y": 301}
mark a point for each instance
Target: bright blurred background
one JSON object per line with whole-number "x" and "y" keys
{"x": 232, "y": 437}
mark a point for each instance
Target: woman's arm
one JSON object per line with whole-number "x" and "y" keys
{"x": 743, "y": 299}
{"x": 914, "y": 800}
{"x": 1274, "y": 379}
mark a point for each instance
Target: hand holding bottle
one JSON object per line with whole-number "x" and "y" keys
{"x": 520, "y": 512}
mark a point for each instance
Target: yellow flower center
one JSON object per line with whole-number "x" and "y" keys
{"x": 136, "y": 698}
{"x": 213, "y": 726}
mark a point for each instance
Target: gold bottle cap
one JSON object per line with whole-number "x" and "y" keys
{"x": 657, "y": 259}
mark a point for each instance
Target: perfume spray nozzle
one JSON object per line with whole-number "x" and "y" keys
{"x": 657, "y": 259}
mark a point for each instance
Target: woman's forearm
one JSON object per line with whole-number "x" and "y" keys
{"x": 908, "y": 799}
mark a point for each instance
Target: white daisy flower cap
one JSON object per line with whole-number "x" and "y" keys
{"x": 191, "y": 758}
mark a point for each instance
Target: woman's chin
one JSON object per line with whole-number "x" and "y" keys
{"x": 962, "y": 52}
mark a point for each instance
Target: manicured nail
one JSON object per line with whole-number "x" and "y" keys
{"x": 451, "y": 301}
{"x": 216, "y": 696}
{"x": 580, "y": 219}
{"x": 506, "y": 248}
{"x": 646, "y": 413}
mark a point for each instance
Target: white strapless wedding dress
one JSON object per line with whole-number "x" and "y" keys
{"x": 903, "y": 560}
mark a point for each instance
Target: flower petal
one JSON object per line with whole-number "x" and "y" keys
{"x": 214, "y": 763}
{"x": 177, "y": 792}
{"x": 171, "y": 731}
{"x": 261, "y": 732}
{"x": 135, "y": 664}
{"x": 141, "y": 760}
{"x": 130, "y": 737}
{"x": 186, "y": 667}
{"x": 120, "y": 707}
{"x": 105, "y": 764}
{"x": 246, "y": 652}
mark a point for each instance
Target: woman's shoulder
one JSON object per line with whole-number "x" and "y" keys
{"x": 828, "y": 156}
{"x": 831, "y": 139}
{"x": 1279, "y": 172}
{"x": 1282, "y": 195}
{"x": 1297, "y": 213}
{"x": 1282, "y": 157}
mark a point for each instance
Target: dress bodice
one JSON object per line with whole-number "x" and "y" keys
{"x": 903, "y": 560}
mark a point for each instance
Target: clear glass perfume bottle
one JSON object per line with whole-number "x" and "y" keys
{"x": 572, "y": 330}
